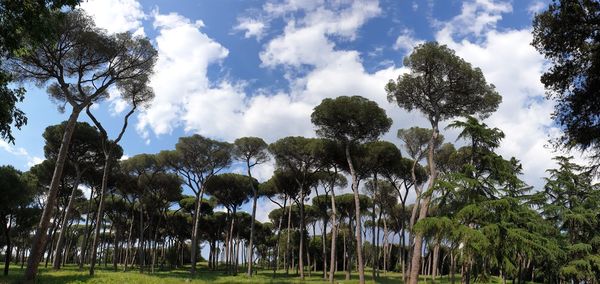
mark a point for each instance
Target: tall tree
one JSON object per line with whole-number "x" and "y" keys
{"x": 300, "y": 156}
{"x": 80, "y": 63}
{"x": 351, "y": 120}
{"x": 84, "y": 155}
{"x": 196, "y": 159}
{"x": 568, "y": 35}
{"x": 440, "y": 85}
{"x": 231, "y": 191}
{"x": 252, "y": 151}
{"x": 136, "y": 92}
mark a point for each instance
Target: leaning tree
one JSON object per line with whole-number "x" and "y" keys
{"x": 79, "y": 63}
{"x": 441, "y": 85}
{"x": 351, "y": 120}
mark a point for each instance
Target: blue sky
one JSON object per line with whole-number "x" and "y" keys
{"x": 228, "y": 69}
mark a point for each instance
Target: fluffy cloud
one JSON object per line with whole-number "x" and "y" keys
{"x": 20, "y": 152}
{"x": 406, "y": 41}
{"x": 116, "y": 16}
{"x": 251, "y": 27}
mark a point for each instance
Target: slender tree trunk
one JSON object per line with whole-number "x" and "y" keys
{"x": 194, "y": 247}
{"x": 361, "y": 268}
{"x": 287, "y": 246}
{"x": 39, "y": 240}
{"x": 324, "y": 246}
{"x": 302, "y": 227}
{"x": 435, "y": 260}
{"x": 416, "y": 255}
{"x": 279, "y": 237}
{"x": 8, "y": 251}
{"x": 251, "y": 242}
{"x": 63, "y": 227}
{"x": 85, "y": 231}
{"x": 141, "y": 240}
{"x": 100, "y": 214}
{"x": 334, "y": 227}
{"x": 127, "y": 252}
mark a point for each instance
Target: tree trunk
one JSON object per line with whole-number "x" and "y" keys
{"x": 251, "y": 243}
{"x": 302, "y": 227}
{"x": 100, "y": 214}
{"x": 416, "y": 255}
{"x": 85, "y": 231}
{"x": 8, "y": 251}
{"x": 194, "y": 248}
{"x": 279, "y": 238}
{"x": 436, "y": 255}
{"x": 39, "y": 240}
{"x": 63, "y": 227}
{"x": 334, "y": 227}
{"x": 141, "y": 240}
{"x": 361, "y": 268}
{"x": 287, "y": 246}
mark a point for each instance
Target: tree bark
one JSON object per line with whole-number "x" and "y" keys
{"x": 416, "y": 255}
{"x": 251, "y": 242}
{"x": 361, "y": 268}
{"x": 334, "y": 227}
{"x": 8, "y": 251}
{"x": 39, "y": 240}
{"x": 100, "y": 213}
{"x": 63, "y": 227}
{"x": 194, "y": 248}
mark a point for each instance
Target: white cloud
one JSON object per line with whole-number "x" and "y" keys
{"x": 406, "y": 41}
{"x": 536, "y": 6}
{"x": 251, "y": 27}
{"x": 21, "y": 152}
{"x": 32, "y": 161}
{"x": 116, "y": 16}
{"x": 17, "y": 151}
{"x": 476, "y": 18}
{"x": 180, "y": 78}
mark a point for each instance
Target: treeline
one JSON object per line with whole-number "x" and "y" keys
{"x": 472, "y": 214}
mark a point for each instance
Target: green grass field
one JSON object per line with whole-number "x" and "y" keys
{"x": 70, "y": 274}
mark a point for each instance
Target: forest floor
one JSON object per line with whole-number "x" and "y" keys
{"x": 70, "y": 274}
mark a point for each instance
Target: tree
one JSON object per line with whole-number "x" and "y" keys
{"x": 440, "y": 85}
{"x": 80, "y": 63}
{"x": 351, "y": 120}
{"x": 84, "y": 155}
{"x": 15, "y": 192}
{"x": 136, "y": 92}
{"x": 196, "y": 159}
{"x": 21, "y": 22}
{"x": 567, "y": 35}
{"x": 252, "y": 151}
{"x": 300, "y": 156}
{"x": 231, "y": 190}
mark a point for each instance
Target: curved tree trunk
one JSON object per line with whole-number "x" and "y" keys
{"x": 361, "y": 268}
{"x": 39, "y": 240}
{"x": 63, "y": 227}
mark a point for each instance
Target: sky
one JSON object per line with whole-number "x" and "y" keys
{"x": 228, "y": 69}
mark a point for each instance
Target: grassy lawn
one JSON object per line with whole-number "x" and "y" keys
{"x": 70, "y": 274}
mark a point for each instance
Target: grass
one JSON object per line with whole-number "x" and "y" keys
{"x": 70, "y": 274}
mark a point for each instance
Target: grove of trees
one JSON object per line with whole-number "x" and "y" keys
{"x": 345, "y": 199}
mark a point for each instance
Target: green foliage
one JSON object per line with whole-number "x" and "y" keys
{"x": 350, "y": 119}
{"x": 567, "y": 35}
{"x": 442, "y": 85}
